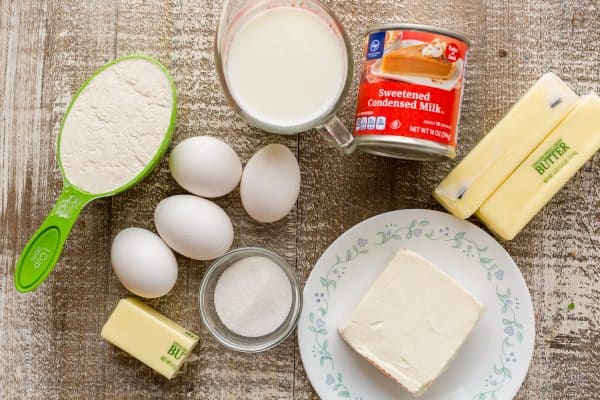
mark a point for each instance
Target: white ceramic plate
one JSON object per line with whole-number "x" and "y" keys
{"x": 447, "y": 84}
{"x": 494, "y": 360}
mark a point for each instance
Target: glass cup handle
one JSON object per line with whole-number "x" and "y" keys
{"x": 335, "y": 132}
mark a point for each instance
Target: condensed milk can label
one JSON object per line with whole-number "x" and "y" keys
{"x": 410, "y": 88}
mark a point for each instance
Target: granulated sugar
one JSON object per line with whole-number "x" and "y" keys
{"x": 116, "y": 125}
{"x": 253, "y": 296}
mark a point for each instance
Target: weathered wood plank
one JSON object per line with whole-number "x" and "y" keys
{"x": 25, "y": 150}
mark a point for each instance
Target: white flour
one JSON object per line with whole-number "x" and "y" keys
{"x": 116, "y": 126}
{"x": 253, "y": 296}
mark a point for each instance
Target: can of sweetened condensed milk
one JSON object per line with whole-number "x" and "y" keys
{"x": 410, "y": 92}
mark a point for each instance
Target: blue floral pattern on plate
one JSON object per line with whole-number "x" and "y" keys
{"x": 512, "y": 331}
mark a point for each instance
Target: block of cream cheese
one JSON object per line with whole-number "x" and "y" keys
{"x": 499, "y": 153}
{"x": 149, "y": 336}
{"x": 545, "y": 171}
{"x": 412, "y": 321}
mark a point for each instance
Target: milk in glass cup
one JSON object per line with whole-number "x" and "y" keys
{"x": 285, "y": 66}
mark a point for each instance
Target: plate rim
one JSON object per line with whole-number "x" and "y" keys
{"x": 519, "y": 279}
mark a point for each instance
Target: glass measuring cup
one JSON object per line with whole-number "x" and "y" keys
{"x": 235, "y": 14}
{"x": 41, "y": 253}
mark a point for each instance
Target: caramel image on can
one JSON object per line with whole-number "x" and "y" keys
{"x": 410, "y": 92}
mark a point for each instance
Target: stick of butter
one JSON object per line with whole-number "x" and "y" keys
{"x": 499, "y": 153}
{"x": 545, "y": 171}
{"x": 149, "y": 336}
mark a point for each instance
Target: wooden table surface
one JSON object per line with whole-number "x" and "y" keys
{"x": 49, "y": 340}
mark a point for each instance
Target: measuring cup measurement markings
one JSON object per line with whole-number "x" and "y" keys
{"x": 285, "y": 66}
{"x": 41, "y": 253}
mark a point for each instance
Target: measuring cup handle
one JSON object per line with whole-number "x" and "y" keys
{"x": 335, "y": 131}
{"x": 43, "y": 250}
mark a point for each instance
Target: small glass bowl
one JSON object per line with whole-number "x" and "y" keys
{"x": 212, "y": 321}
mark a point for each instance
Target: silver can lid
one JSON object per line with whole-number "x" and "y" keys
{"x": 404, "y": 148}
{"x": 419, "y": 27}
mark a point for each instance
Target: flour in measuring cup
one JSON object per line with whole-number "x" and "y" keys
{"x": 116, "y": 125}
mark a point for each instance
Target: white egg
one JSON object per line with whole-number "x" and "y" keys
{"x": 144, "y": 264}
{"x": 270, "y": 183}
{"x": 205, "y": 166}
{"x": 194, "y": 227}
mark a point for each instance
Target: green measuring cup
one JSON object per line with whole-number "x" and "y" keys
{"x": 43, "y": 250}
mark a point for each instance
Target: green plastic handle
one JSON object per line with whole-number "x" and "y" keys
{"x": 41, "y": 252}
